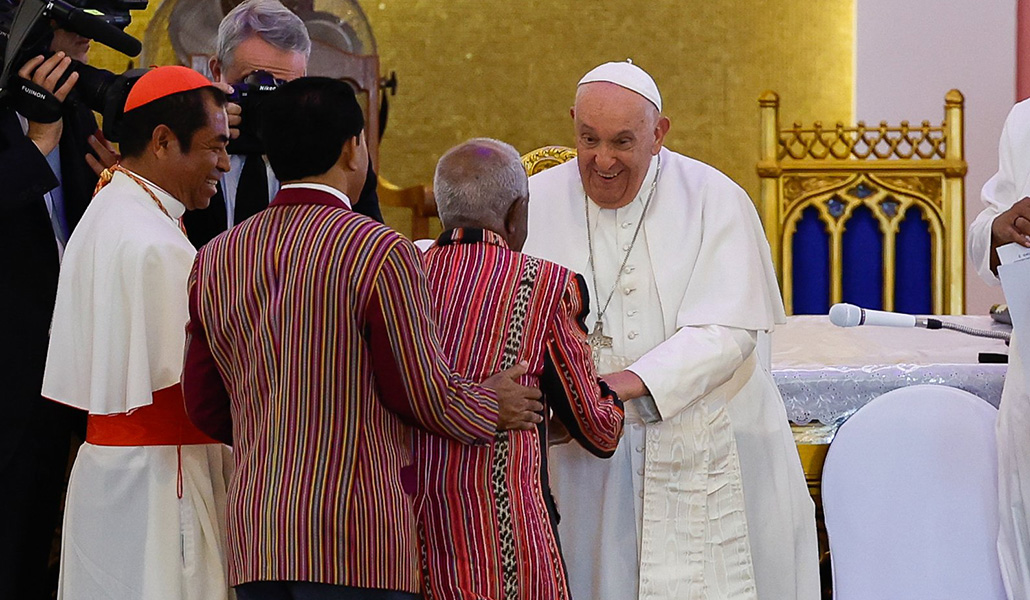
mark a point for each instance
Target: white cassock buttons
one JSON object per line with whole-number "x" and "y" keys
{"x": 628, "y": 269}
{"x": 632, "y": 313}
{"x": 632, "y": 335}
{"x": 629, "y": 290}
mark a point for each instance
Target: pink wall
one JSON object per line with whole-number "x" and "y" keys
{"x": 1022, "y": 49}
{"x": 909, "y": 53}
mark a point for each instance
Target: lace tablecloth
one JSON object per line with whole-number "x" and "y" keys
{"x": 826, "y": 373}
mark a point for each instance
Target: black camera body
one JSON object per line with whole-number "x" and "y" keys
{"x": 249, "y": 94}
{"x": 26, "y": 31}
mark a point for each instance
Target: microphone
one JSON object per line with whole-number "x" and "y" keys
{"x": 92, "y": 27}
{"x": 849, "y": 315}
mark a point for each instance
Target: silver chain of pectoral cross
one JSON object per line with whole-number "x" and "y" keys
{"x": 597, "y": 339}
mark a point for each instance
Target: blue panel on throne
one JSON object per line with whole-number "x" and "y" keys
{"x": 913, "y": 265}
{"x": 811, "y": 265}
{"x": 863, "y": 260}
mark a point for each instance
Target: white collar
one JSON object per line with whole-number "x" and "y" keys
{"x": 174, "y": 207}
{"x": 320, "y": 187}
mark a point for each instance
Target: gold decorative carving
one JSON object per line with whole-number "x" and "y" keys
{"x": 796, "y": 186}
{"x": 544, "y": 158}
{"x": 927, "y": 186}
{"x": 862, "y": 142}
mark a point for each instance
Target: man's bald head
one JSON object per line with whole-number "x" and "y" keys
{"x": 481, "y": 183}
{"x": 617, "y": 133}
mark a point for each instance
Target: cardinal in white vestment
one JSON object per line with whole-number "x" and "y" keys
{"x": 1006, "y": 219}
{"x": 145, "y": 516}
{"x": 705, "y": 497}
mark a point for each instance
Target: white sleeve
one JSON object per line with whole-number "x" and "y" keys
{"x": 999, "y": 193}
{"x": 690, "y": 364}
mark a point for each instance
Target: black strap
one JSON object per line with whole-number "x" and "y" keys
{"x": 34, "y": 102}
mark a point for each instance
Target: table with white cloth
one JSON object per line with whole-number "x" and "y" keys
{"x": 826, "y": 373}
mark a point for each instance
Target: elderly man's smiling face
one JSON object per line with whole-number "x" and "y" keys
{"x": 617, "y": 133}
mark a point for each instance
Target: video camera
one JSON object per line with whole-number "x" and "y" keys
{"x": 249, "y": 94}
{"x": 25, "y": 32}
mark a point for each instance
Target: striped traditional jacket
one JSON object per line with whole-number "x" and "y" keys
{"x": 485, "y": 514}
{"x": 313, "y": 323}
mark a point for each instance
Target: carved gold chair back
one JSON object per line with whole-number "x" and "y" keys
{"x": 865, "y": 214}
{"x": 544, "y": 158}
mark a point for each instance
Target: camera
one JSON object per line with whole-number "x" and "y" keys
{"x": 249, "y": 94}
{"x": 25, "y": 32}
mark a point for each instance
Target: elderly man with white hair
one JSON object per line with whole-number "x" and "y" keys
{"x": 705, "y": 497}
{"x": 485, "y": 513}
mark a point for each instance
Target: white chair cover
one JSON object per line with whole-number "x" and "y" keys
{"x": 910, "y": 496}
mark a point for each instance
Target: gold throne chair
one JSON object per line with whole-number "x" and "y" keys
{"x": 544, "y": 158}
{"x": 871, "y": 215}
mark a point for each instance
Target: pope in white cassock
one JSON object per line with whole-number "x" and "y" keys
{"x": 1006, "y": 219}
{"x": 705, "y": 497}
{"x": 145, "y": 516}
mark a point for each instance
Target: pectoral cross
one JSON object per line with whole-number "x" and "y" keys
{"x": 598, "y": 340}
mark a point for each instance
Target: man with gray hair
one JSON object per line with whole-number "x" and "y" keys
{"x": 257, "y": 39}
{"x": 486, "y": 518}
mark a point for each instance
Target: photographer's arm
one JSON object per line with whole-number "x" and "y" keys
{"x": 23, "y": 165}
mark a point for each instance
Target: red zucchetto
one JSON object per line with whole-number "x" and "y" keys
{"x": 164, "y": 81}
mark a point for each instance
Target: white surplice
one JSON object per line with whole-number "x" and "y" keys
{"x": 118, "y": 335}
{"x": 711, "y": 501}
{"x": 1009, "y": 185}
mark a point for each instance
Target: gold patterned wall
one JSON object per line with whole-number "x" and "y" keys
{"x": 508, "y": 70}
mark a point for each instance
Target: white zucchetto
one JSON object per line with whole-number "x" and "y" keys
{"x": 627, "y": 75}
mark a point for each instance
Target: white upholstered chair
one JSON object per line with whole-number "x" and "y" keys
{"x": 910, "y": 497}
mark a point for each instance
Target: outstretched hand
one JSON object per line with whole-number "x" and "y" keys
{"x": 519, "y": 406}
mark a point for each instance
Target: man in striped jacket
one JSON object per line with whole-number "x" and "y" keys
{"x": 485, "y": 514}
{"x": 312, "y": 350}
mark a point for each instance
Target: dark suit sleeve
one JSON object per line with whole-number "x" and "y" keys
{"x": 368, "y": 201}
{"x": 24, "y": 171}
{"x": 588, "y": 408}
{"x": 208, "y": 405}
{"x": 29, "y": 250}
{"x": 412, "y": 376}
